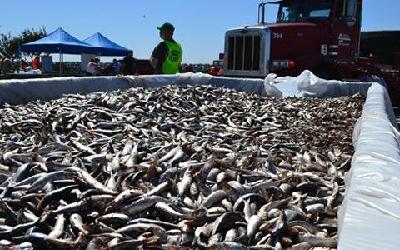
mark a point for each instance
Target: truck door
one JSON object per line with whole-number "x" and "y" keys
{"x": 345, "y": 33}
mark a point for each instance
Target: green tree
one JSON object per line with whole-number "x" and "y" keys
{"x": 9, "y": 45}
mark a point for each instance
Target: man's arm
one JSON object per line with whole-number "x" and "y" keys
{"x": 155, "y": 56}
{"x": 153, "y": 62}
{"x": 159, "y": 53}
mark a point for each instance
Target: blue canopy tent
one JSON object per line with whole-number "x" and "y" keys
{"x": 61, "y": 42}
{"x": 105, "y": 47}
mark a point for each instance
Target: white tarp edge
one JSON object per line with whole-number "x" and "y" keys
{"x": 23, "y": 91}
{"x": 370, "y": 215}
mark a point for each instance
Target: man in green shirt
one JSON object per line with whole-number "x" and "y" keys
{"x": 167, "y": 56}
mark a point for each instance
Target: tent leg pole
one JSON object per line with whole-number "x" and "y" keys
{"x": 59, "y": 65}
{"x": 62, "y": 64}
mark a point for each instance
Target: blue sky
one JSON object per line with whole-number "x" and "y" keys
{"x": 200, "y": 24}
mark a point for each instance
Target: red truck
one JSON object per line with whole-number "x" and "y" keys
{"x": 319, "y": 35}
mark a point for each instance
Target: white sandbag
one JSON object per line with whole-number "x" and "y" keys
{"x": 270, "y": 88}
{"x": 370, "y": 214}
{"x": 308, "y": 84}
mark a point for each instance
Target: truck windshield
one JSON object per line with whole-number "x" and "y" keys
{"x": 292, "y": 12}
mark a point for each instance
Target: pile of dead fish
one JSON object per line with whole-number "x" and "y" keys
{"x": 174, "y": 167}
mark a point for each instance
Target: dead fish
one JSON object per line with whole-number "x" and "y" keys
{"x": 214, "y": 198}
{"x": 174, "y": 167}
{"x": 77, "y": 223}
{"x": 142, "y": 204}
{"x": 83, "y": 176}
{"x": 58, "y": 229}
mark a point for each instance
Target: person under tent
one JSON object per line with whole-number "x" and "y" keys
{"x": 1, "y": 65}
{"x": 6, "y": 67}
{"x": 92, "y": 68}
{"x": 129, "y": 65}
{"x": 36, "y": 63}
{"x": 117, "y": 66}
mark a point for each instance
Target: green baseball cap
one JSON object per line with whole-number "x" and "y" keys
{"x": 167, "y": 26}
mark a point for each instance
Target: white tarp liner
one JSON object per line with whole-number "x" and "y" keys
{"x": 23, "y": 91}
{"x": 370, "y": 215}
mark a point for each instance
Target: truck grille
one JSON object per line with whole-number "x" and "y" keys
{"x": 244, "y": 53}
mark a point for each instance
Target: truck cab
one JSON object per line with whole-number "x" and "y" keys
{"x": 307, "y": 34}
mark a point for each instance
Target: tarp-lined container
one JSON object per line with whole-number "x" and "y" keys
{"x": 370, "y": 214}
